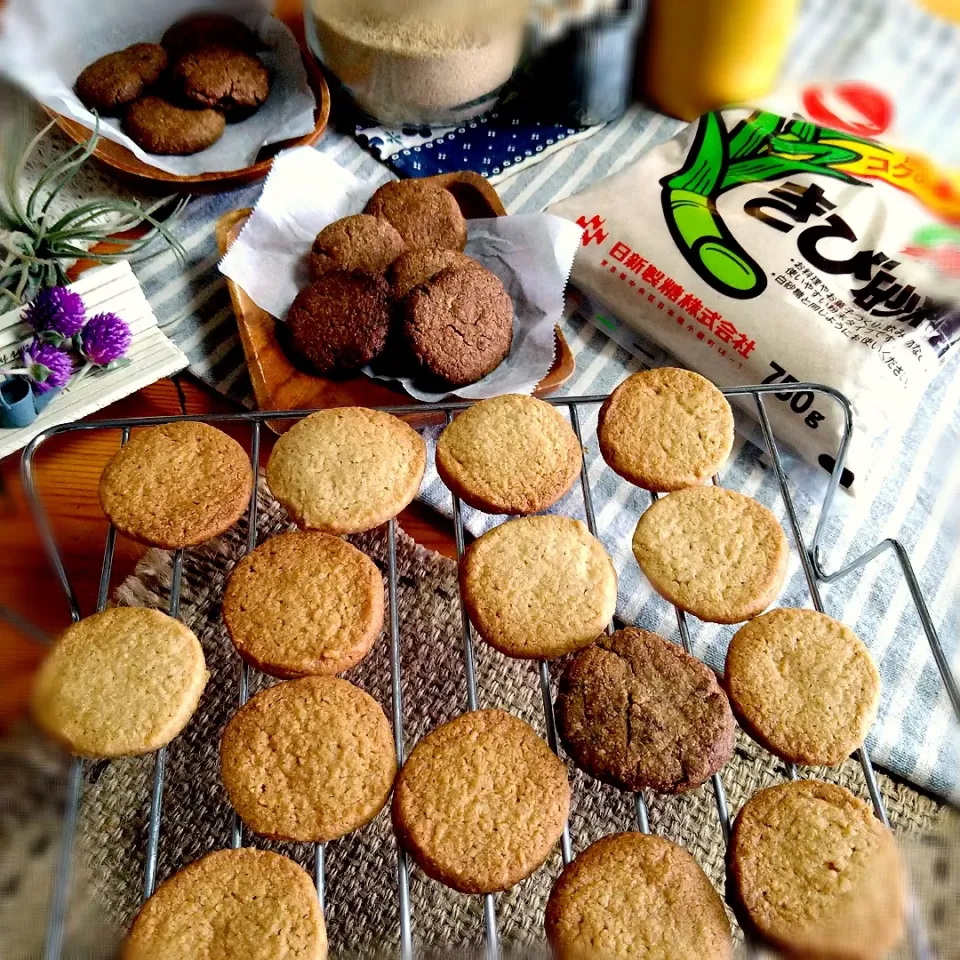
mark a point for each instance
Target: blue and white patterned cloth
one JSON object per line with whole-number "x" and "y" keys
{"x": 914, "y": 57}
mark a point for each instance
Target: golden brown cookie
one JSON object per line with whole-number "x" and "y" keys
{"x": 168, "y": 129}
{"x": 176, "y": 485}
{"x": 802, "y": 685}
{"x": 635, "y": 896}
{"x": 509, "y": 454}
{"x": 713, "y": 552}
{"x": 347, "y": 469}
{"x": 424, "y": 214}
{"x": 421, "y": 264}
{"x": 358, "y": 244}
{"x": 222, "y": 78}
{"x": 111, "y": 83}
{"x": 539, "y": 587}
{"x": 304, "y": 603}
{"x": 120, "y": 683}
{"x": 231, "y": 905}
{"x": 310, "y": 760}
{"x": 666, "y": 429}
{"x": 481, "y": 802}
{"x": 636, "y": 711}
{"x": 817, "y": 873}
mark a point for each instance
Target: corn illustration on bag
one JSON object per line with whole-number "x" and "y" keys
{"x": 758, "y": 248}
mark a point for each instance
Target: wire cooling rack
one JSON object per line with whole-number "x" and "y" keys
{"x": 810, "y": 559}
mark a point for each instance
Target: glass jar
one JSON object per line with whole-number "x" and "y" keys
{"x": 415, "y": 62}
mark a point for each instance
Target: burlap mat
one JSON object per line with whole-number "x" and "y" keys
{"x": 361, "y": 912}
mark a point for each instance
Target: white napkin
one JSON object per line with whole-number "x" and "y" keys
{"x": 531, "y": 254}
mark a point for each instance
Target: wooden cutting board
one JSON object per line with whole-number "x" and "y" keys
{"x": 279, "y": 384}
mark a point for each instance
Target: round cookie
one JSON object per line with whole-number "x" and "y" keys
{"x": 421, "y": 264}
{"x": 817, "y": 873}
{"x": 120, "y": 683}
{"x": 347, "y": 469}
{"x": 509, "y": 454}
{"x": 206, "y": 29}
{"x": 631, "y": 895}
{"x": 713, "y": 552}
{"x": 539, "y": 587}
{"x": 358, "y": 244}
{"x": 111, "y": 83}
{"x": 481, "y": 802}
{"x": 802, "y": 685}
{"x": 304, "y": 603}
{"x": 636, "y": 711}
{"x": 341, "y": 321}
{"x": 176, "y": 485}
{"x": 161, "y": 127}
{"x": 666, "y": 429}
{"x": 425, "y": 215}
{"x": 308, "y": 760}
{"x": 223, "y": 78}
{"x": 231, "y": 905}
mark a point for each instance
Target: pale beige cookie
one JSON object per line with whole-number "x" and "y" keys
{"x": 304, "y": 603}
{"x": 347, "y": 469}
{"x": 666, "y": 429}
{"x": 310, "y": 759}
{"x": 120, "y": 683}
{"x": 509, "y": 454}
{"x": 481, "y": 802}
{"x": 176, "y": 485}
{"x": 802, "y": 685}
{"x": 231, "y": 905}
{"x": 713, "y": 552}
{"x": 539, "y": 587}
{"x": 636, "y": 896}
{"x": 817, "y": 873}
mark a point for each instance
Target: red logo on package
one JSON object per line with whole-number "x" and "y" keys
{"x": 852, "y": 107}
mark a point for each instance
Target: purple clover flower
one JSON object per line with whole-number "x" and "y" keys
{"x": 57, "y": 309}
{"x": 105, "y": 338}
{"x": 48, "y": 366}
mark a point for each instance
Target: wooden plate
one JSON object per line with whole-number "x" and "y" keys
{"x": 279, "y": 385}
{"x": 130, "y": 167}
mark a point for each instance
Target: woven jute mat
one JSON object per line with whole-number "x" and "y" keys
{"x": 362, "y": 911}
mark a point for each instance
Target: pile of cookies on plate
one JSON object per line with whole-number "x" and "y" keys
{"x": 482, "y": 800}
{"x": 393, "y": 284}
{"x": 176, "y": 97}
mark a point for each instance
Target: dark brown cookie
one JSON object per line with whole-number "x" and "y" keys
{"x": 341, "y": 322}
{"x": 224, "y": 78}
{"x": 459, "y": 325}
{"x": 162, "y": 127}
{"x": 204, "y": 29}
{"x": 422, "y": 264}
{"x": 358, "y": 244}
{"x": 425, "y": 215}
{"x": 117, "y": 79}
{"x": 636, "y": 711}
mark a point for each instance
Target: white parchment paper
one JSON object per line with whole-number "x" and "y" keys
{"x": 44, "y": 44}
{"x": 531, "y": 254}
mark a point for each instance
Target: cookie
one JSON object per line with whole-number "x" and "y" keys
{"x": 817, "y": 873}
{"x": 509, "y": 454}
{"x": 636, "y": 711}
{"x": 347, "y": 469}
{"x": 802, "y": 685}
{"x": 309, "y": 760}
{"x": 223, "y": 78}
{"x": 231, "y": 905}
{"x": 424, "y": 214}
{"x": 459, "y": 325}
{"x": 111, "y": 83}
{"x": 304, "y": 603}
{"x": 635, "y": 896}
{"x": 162, "y": 127}
{"x": 120, "y": 683}
{"x": 358, "y": 244}
{"x": 341, "y": 321}
{"x": 539, "y": 587}
{"x": 176, "y": 485}
{"x": 713, "y": 552}
{"x": 421, "y": 264}
{"x": 206, "y": 29}
{"x": 666, "y": 429}
{"x": 481, "y": 802}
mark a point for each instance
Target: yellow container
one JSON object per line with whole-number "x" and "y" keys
{"x": 704, "y": 54}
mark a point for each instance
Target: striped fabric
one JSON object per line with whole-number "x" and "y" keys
{"x": 914, "y": 57}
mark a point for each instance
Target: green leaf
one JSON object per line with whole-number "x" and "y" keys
{"x": 117, "y": 364}
{"x": 38, "y": 372}
{"x": 52, "y": 337}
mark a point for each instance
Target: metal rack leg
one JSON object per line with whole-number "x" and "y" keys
{"x": 566, "y": 846}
